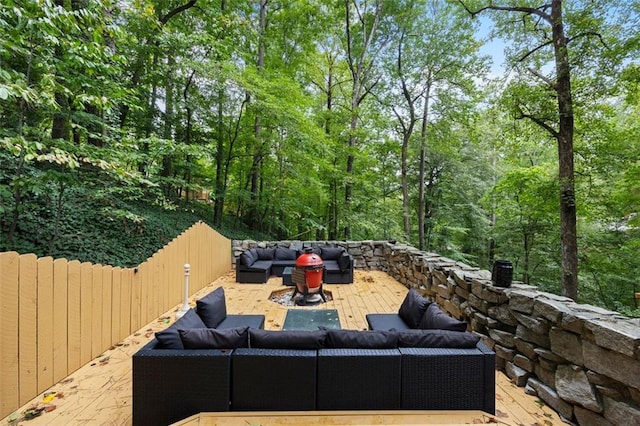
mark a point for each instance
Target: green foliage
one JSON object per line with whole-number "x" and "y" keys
{"x": 113, "y": 120}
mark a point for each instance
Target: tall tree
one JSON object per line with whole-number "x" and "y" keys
{"x": 364, "y": 42}
{"x": 562, "y": 127}
{"x": 557, "y": 48}
{"x": 429, "y": 67}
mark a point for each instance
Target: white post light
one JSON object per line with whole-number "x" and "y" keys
{"x": 185, "y": 305}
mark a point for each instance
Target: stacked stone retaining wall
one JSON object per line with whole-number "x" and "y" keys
{"x": 581, "y": 360}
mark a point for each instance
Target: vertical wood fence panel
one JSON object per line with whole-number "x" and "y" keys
{"x": 58, "y": 315}
{"x": 107, "y": 299}
{"x": 86, "y": 306}
{"x": 156, "y": 273}
{"x": 28, "y": 328}
{"x": 116, "y": 300}
{"x": 44, "y": 303}
{"x": 96, "y": 310}
{"x": 143, "y": 273}
{"x": 60, "y": 318}
{"x": 9, "y": 313}
{"x": 136, "y": 323}
{"x": 125, "y": 304}
{"x": 181, "y": 243}
{"x": 173, "y": 288}
{"x": 74, "y": 319}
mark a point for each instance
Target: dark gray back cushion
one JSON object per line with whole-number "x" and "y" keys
{"x": 413, "y": 308}
{"x": 361, "y": 339}
{"x": 435, "y": 319}
{"x": 170, "y": 338}
{"x": 265, "y": 253}
{"x": 287, "y": 339}
{"x": 247, "y": 259}
{"x": 283, "y": 253}
{"x": 436, "y": 339}
{"x": 212, "y": 308}
{"x": 344, "y": 262}
{"x": 211, "y": 338}
{"x": 331, "y": 253}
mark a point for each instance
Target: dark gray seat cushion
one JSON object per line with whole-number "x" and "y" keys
{"x": 331, "y": 266}
{"x": 259, "y": 265}
{"x": 386, "y": 322}
{"x": 242, "y": 320}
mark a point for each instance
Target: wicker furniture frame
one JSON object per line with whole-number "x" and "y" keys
{"x": 169, "y": 385}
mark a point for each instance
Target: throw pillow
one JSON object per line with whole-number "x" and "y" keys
{"x": 169, "y": 338}
{"x": 211, "y": 338}
{"x": 265, "y": 253}
{"x": 212, "y": 308}
{"x": 435, "y": 319}
{"x": 436, "y": 339}
{"x": 287, "y": 339}
{"x": 361, "y": 339}
{"x": 331, "y": 253}
{"x": 413, "y": 308}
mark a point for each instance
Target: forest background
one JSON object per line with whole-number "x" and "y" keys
{"x": 123, "y": 122}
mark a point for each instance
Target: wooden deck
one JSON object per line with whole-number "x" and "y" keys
{"x": 99, "y": 393}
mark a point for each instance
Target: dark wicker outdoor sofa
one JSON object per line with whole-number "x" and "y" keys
{"x": 328, "y": 369}
{"x": 256, "y": 265}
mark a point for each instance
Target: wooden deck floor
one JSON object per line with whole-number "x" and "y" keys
{"x": 99, "y": 393}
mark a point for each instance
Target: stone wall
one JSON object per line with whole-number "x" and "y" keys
{"x": 581, "y": 360}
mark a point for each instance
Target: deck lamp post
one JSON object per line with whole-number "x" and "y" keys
{"x": 185, "y": 304}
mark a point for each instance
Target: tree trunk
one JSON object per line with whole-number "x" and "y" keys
{"x": 405, "y": 188}
{"x": 167, "y": 164}
{"x": 254, "y": 215}
{"x": 422, "y": 174}
{"x": 218, "y": 202}
{"x": 348, "y": 187}
{"x": 60, "y": 126}
{"x": 332, "y": 208}
{"x": 565, "y": 156}
{"x": 528, "y": 243}
{"x": 360, "y": 77}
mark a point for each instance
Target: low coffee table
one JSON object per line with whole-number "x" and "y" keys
{"x": 311, "y": 319}
{"x": 286, "y": 276}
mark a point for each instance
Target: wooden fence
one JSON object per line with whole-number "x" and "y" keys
{"x": 57, "y": 315}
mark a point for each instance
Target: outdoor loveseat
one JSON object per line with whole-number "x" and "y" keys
{"x": 256, "y": 265}
{"x": 250, "y": 369}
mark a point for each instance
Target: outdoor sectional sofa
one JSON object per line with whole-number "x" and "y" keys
{"x": 256, "y": 265}
{"x": 250, "y": 369}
